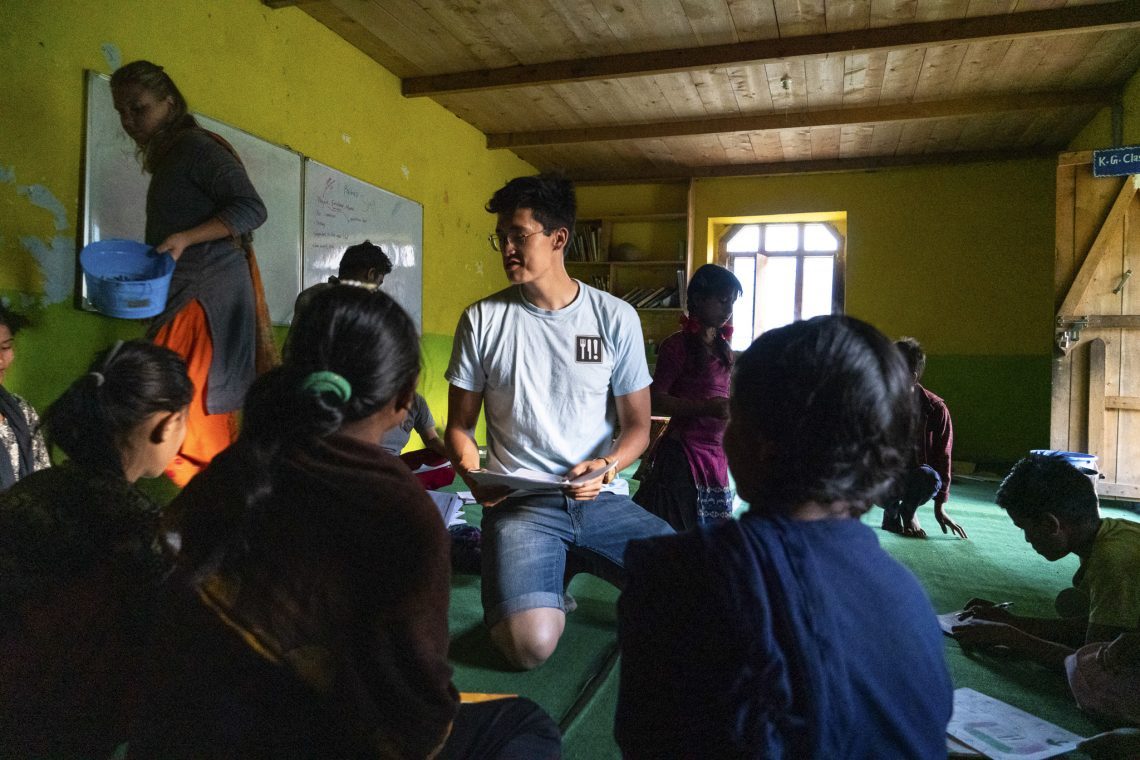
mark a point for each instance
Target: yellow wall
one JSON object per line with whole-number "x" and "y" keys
{"x": 277, "y": 74}
{"x": 960, "y": 257}
{"x": 1098, "y": 132}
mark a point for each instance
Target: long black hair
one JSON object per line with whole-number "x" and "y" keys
{"x": 709, "y": 280}
{"x": 362, "y": 336}
{"x": 832, "y": 397}
{"x": 124, "y": 385}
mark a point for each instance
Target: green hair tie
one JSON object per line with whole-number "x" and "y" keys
{"x": 320, "y": 382}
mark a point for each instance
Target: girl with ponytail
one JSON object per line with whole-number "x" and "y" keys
{"x": 308, "y": 616}
{"x": 81, "y": 556}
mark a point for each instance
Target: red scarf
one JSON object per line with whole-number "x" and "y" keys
{"x": 694, "y": 326}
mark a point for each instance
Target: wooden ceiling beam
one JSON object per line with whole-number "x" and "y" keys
{"x": 825, "y": 166}
{"x": 275, "y": 4}
{"x": 935, "y": 109}
{"x": 1123, "y": 14}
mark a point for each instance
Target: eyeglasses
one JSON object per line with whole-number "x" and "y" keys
{"x": 499, "y": 240}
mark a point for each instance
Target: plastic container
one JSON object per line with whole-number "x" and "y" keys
{"x": 126, "y": 279}
{"x": 1086, "y": 463}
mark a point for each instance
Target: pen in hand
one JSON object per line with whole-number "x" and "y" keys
{"x": 965, "y": 614}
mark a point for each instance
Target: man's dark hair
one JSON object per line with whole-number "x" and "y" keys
{"x": 915, "y": 357}
{"x": 1047, "y": 483}
{"x": 832, "y": 398}
{"x": 550, "y": 198}
{"x": 359, "y": 258}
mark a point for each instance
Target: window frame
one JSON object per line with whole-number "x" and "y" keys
{"x": 839, "y": 266}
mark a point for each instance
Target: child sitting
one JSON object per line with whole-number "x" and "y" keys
{"x": 81, "y": 558}
{"x": 759, "y": 637}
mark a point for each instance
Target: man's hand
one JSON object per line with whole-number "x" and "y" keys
{"x": 945, "y": 522}
{"x": 488, "y": 496}
{"x": 591, "y": 488}
{"x": 976, "y": 633}
{"x": 985, "y": 610}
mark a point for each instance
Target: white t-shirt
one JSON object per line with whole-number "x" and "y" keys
{"x": 548, "y": 378}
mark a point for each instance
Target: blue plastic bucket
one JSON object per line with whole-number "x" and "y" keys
{"x": 126, "y": 279}
{"x": 1086, "y": 463}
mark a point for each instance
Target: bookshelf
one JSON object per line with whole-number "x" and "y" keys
{"x": 640, "y": 258}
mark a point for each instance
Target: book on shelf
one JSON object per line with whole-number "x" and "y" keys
{"x": 585, "y": 245}
{"x": 650, "y": 297}
{"x": 682, "y": 286}
{"x": 633, "y": 296}
{"x": 662, "y": 300}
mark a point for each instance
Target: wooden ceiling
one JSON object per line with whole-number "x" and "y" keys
{"x": 624, "y": 89}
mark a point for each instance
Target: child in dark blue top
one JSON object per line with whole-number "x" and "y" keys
{"x": 763, "y": 637}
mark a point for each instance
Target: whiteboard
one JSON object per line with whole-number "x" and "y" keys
{"x": 341, "y": 211}
{"x": 115, "y": 187}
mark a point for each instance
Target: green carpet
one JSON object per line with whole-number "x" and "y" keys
{"x": 579, "y": 684}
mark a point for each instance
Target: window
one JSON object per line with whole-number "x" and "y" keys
{"x": 789, "y": 271}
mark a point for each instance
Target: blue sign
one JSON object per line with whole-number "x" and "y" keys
{"x": 1116, "y": 162}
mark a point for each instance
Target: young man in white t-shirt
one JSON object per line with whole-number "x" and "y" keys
{"x": 556, "y": 363}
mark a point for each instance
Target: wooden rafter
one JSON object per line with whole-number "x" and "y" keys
{"x": 1098, "y": 248}
{"x": 622, "y": 175}
{"x": 936, "y": 109}
{"x": 1124, "y": 14}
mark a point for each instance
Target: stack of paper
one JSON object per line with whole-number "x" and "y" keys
{"x": 450, "y": 507}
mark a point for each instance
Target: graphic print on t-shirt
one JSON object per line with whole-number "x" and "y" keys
{"x": 588, "y": 349}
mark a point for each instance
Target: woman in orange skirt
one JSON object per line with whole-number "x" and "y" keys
{"x": 201, "y": 209}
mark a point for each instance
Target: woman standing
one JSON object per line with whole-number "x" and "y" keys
{"x": 201, "y": 209}
{"x": 687, "y": 482}
{"x": 22, "y": 449}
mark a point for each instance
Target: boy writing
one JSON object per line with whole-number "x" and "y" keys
{"x": 1055, "y": 506}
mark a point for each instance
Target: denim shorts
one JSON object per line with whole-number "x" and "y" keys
{"x": 526, "y": 538}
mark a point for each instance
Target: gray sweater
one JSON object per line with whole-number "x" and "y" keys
{"x": 196, "y": 180}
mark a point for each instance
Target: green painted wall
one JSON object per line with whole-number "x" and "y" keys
{"x": 277, "y": 74}
{"x": 961, "y": 257}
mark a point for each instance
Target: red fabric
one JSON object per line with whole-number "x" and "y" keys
{"x": 694, "y": 326}
{"x": 432, "y": 479}
{"x": 936, "y": 441}
{"x": 207, "y": 435}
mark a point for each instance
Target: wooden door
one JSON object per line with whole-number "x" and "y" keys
{"x": 1096, "y": 368}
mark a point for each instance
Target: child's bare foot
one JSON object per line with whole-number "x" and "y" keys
{"x": 913, "y": 529}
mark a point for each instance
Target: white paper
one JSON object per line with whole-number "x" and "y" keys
{"x": 1003, "y": 732}
{"x": 449, "y": 505}
{"x": 529, "y": 481}
{"x": 429, "y": 468}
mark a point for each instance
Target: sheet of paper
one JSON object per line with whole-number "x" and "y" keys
{"x": 520, "y": 480}
{"x": 949, "y": 620}
{"x": 529, "y": 481}
{"x": 1003, "y": 732}
{"x": 429, "y": 468}
{"x": 448, "y": 505}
